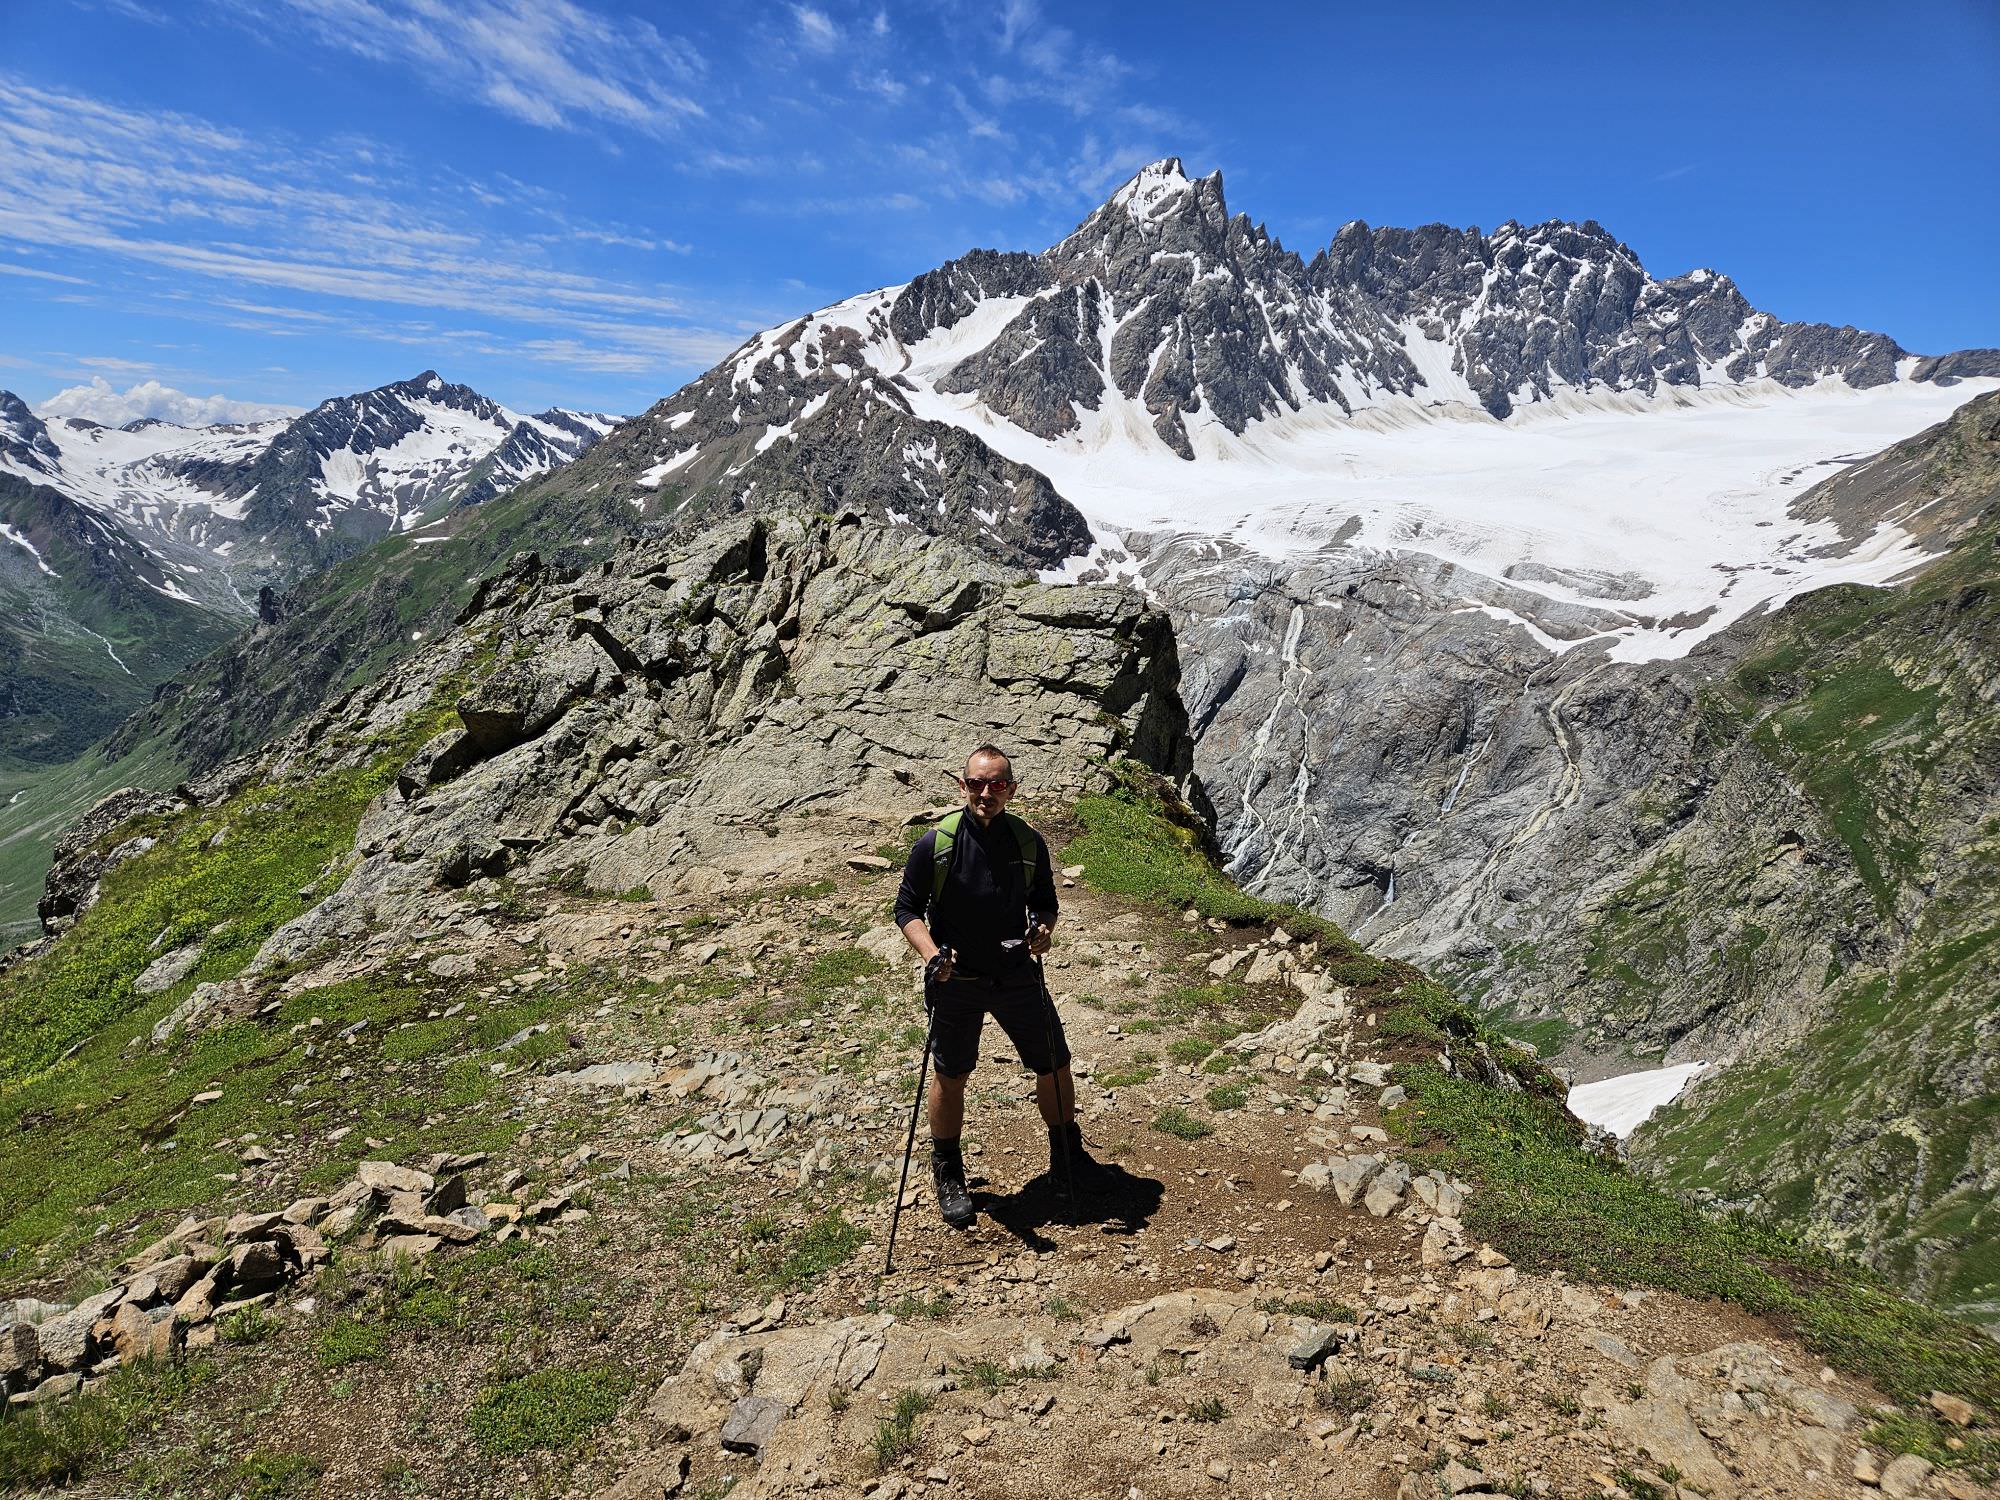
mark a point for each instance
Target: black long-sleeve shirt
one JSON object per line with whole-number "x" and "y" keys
{"x": 987, "y": 895}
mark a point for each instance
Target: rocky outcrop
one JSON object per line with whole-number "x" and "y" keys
{"x": 658, "y": 716}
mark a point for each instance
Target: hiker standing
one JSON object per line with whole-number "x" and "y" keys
{"x": 978, "y": 903}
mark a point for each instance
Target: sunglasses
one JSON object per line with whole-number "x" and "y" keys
{"x": 985, "y": 783}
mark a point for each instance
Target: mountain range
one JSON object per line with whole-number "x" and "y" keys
{"x": 1601, "y": 642}
{"x": 127, "y": 552}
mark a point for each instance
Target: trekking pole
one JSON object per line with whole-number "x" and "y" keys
{"x": 910, "y": 1142}
{"x": 1062, "y": 1128}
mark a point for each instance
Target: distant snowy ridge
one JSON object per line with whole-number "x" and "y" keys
{"x": 219, "y": 510}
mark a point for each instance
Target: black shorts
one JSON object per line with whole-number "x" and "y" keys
{"x": 963, "y": 1005}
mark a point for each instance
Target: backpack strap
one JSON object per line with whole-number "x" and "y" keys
{"x": 946, "y": 835}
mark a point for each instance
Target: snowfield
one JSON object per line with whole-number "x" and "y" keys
{"x": 1622, "y": 1104}
{"x": 1689, "y": 490}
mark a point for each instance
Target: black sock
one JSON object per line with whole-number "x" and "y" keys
{"x": 944, "y": 1146}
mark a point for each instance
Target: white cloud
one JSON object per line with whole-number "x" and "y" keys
{"x": 250, "y": 225}
{"x": 548, "y": 62}
{"x": 7, "y": 270}
{"x": 816, "y": 29}
{"x": 101, "y": 402}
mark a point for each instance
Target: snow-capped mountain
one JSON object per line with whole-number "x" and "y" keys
{"x": 127, "y": 552}
{"x": 1529, "y": 405}
{"x": 225, "y": 510}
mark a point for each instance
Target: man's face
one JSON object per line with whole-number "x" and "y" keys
{"x": 988, "y": 784}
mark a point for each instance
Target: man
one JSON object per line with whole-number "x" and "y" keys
{"x": 979, "y": 922}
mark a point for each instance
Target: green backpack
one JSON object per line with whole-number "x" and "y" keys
{"x": 947, "y": 835}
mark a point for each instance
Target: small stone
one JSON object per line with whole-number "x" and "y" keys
{"x": 750, "y": 1423}
{"x": 1867, "y": 1468}
{"x": 1218, "y": 1471}
{"x": 1458, "y": 1478}
{"x": 1222, "y": 1244}
{"x": 1492, "y": 1259}
{"x": 1905, "y": 1476}
{"x": 977, "y": 1437}
{"x": 869, "y": 862}
{"x": 1954, "y": 1409}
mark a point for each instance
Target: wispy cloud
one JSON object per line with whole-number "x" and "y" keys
{"x": 182, "y": 196}
{"x": 40, "y": 275}
{"x": 546, "y": 62}
{"x": 816, "y": 29}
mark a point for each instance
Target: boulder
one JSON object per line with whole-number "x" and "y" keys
{"x": 1350, "y": 1174}
{"x": 657, "y": 1476}
{"x": 448, "y": 1196}
{"x": 68, "y": 1340}
{"x": 168, "y": 970}
{"x": 1906, "y": 1476}
{"x": 1385, "y": 1193}
{"x": 387, "y": 1177}
{"x": 166, "y": 1280}
{"x": 20, "y": 1352}
{"x": 139, "y": 1334}
{"x": 253, "y": 1267}
{"x": 197, "y": 1303}
{"x": 1314, "y": 1344}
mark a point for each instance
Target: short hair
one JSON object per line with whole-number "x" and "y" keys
{"x": 993, "y": 750}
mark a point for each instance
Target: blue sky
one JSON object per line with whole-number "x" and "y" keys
{"x": 586, "y": 203}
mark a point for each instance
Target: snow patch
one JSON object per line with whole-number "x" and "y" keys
{"x": 1622, "y": 1104}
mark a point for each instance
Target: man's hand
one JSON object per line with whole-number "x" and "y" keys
{"x": 939, "y": 969}
{"x": 1039, "y": 937}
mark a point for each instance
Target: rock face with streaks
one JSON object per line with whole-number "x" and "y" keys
{"x": 1735, "y": 856}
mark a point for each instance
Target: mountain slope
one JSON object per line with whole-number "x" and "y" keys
{"x": 89, "y": 624}
{"x": 127, "y": 554}
{"x": 354, "y": 1066}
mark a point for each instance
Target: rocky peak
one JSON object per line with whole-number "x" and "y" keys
{"x": 25, "y": 444}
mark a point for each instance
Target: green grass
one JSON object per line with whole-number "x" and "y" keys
{"x": 241, "y": 865}
{"x": 1347, "y": 1398}
{"x": 1143, "y": 1068}
{"x": 349, "y": 1341}
{"x": 1318, "y": 1309}
{"x": 69, "y": 1440}
{"x": 982, "y": 1375}
{"x": 266, "y": 1475}
{"x": 1209, "y": 1409}
{"x": 1228, "y": 1096}
{"x": 1177, "y": 1122}
{"x": 1140, "y": 840}
{"x": 896, "y": 1435}
{"x": 795, "y": 1263}
{"x": 247, "y": 1325}
{"x": 1190, "y": 1049}
{"x": 548, "y": 1409}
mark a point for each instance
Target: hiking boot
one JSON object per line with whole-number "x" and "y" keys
{"x": 948, "y": 1182}
{"x": 1086, "y": 1174}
